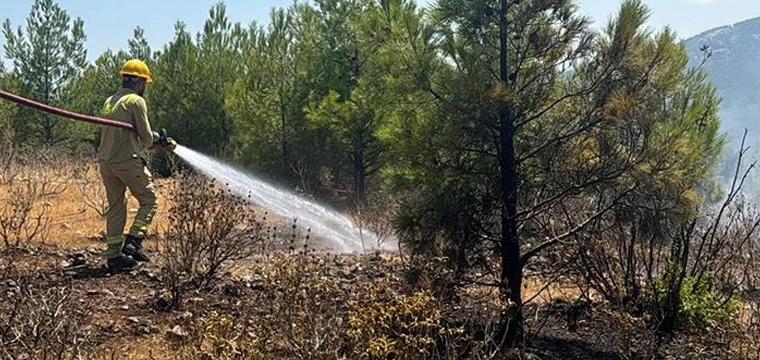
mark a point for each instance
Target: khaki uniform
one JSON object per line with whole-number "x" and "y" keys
{"x": 123, "y": 159}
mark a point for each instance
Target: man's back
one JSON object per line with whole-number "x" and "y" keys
{"x": 118, "y": 145}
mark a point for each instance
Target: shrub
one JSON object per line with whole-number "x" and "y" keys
{"x": 305, "y": 301}
{"x": 431, "y": 273}
{"x": 40, "y": 321}
{"x": 746, "y": 340}
{"x": 390, "y": 326}
{"x": 92, "y": 191}
{"x": 208, "y": 230}
{"x": 687, "y": 268}
{"x": 23, "y": 219}
{"x": 703, "y": 307}
{"x": 221, "y": 336}
{"x": 301, "y": 307}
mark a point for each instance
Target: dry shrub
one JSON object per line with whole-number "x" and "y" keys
{"x": 386, "y": 325}
{"x": 9, "y": 168}
{"x": 432, "y": 273}
{"x": 375, "y": 214}
{"x": 745, "y": 331}
{"x": 208, "y": 230}
{"x": 23, "y": 216}
{"x": 221, "y": 336}
{"x": 319, "y": 314}
{"x": 297, "y": 314}
{"x": 29, "y": 178}
{"x": 304, "y": 299}
{"x": 752, "y": 326}
{"x": 626, "y": 328}
{"x": 51, "y": 168}
{"x": 91, "y": 188}
{"x": 304, "y": 306}
{"x": 684, "y": 270}
{"x": 40, "y": 321}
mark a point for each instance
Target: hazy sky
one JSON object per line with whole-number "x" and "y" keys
{"x": 686, "y": 17}
{"x": 109, "y": 23}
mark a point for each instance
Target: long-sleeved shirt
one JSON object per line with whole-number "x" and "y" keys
{"x": 117, "y": 144}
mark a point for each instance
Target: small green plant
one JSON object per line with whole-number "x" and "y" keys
{"x": 703, "y": 307}
{"x": 698, "y": 304}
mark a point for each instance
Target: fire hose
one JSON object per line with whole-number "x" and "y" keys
{"x": 163, "y": 139}
{"x": 60, "y": 112}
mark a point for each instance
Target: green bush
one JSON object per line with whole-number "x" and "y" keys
{"x": 699, "y": 306}
{"x": 702, "y": 307}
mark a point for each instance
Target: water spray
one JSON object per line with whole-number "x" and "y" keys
{"x": 344, "y": 236}
{"x": 341, "y": 233}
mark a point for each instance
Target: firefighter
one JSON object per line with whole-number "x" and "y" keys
{"x": 123, "y": 160}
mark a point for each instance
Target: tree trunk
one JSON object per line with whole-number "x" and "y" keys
{"x": 284, "y": 137}
{"x": 511, "y": 268}
{"x": 359, "y": 172}
{"x": 47, "y": 131}
{"x": 632, "y": 297}
{"x": 676, "y": 275}
{"x": 511, "y": 329}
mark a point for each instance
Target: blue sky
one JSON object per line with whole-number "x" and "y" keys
{"x": 687, "y": 17}
{"x": 109, "y": 23}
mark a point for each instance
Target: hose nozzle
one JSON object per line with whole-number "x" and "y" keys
{"x": 163, "y": 139}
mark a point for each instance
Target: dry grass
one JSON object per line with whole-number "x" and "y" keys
{"x": 151, "y": 347}
{"x": 72, "y": 225}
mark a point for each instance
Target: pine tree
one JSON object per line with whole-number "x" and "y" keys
{"x": 46, "y": 57}
{"x": 139, "y": 48}
{"x": 541, "y": 129}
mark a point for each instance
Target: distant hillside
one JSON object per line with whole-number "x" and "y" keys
{"x": 735, "y": 69}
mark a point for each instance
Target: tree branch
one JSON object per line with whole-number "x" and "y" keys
{"x": 558, "y": 101}
{"x": 551, "y": 242}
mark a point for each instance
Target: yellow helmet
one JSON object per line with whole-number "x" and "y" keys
{"x": 137, "y": 68}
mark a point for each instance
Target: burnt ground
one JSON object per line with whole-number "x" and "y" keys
{"x": 125, "y": 315}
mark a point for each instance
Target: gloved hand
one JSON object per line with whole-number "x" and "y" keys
{"x": 165, "y": 141}
{"x": 170, "y": 144}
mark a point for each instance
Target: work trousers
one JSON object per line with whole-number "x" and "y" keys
{"x": 135, "y": 176}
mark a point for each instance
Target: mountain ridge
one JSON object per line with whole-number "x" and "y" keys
{"x": 734, "y": 68}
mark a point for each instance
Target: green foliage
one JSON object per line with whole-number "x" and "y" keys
{"x": 191, "y": 77}
{"x": 89, "y": 92}
{"x": 98, "y": 82}
{"x": 266, "y": 106}
{"x": 8, "y": 110}
{"x": 180, "y": 96}
{"x": 47, "y": 56}
{"x": 604, "y": 126}
{"x": 261, "y": 95}
{"x": 699, "y": 304}
{"x": 453, "y": 167}
{"x": 139, "y": 47}
{"x": 705, "y": 308}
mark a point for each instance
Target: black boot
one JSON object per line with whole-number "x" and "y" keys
{"x": 120, "y": 263}
{"x": 133, "y": 247}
